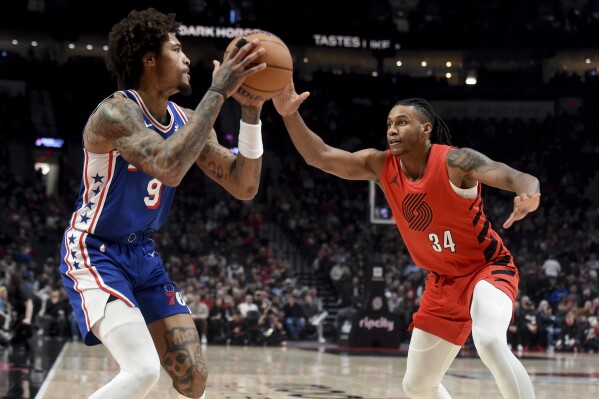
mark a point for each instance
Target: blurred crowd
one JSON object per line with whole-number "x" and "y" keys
{"x": 216, "y": 249}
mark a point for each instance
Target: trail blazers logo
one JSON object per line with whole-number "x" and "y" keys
{"x": 416, "y": 211}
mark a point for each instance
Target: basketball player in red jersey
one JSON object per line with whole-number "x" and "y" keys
{"x": 434, "y": 190}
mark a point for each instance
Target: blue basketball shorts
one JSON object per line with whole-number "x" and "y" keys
{"x": 92, "y": 270}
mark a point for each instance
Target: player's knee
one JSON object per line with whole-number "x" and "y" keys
{"x": 147, "y": 373}
{"x": 413, "y": 387}
{"x": 485, "y": 341}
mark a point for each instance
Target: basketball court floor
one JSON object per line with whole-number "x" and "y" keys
{"x": 312, "y": 371}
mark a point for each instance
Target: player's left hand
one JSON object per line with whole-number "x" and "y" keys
{"x": 523, "y": 204}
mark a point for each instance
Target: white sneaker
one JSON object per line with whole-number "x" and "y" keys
{"x": 322, "y": 340}
{"x": 316, "y": 320}
{"x": 204, "y": 340}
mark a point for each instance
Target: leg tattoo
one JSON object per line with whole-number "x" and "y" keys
{"x": 183, "y": 359}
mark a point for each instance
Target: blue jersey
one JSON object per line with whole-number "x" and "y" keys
{"x": 116, "y": 200}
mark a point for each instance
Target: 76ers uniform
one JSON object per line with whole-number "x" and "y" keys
{"x": 451, "y": 237}
{"x": 107, "y": 250}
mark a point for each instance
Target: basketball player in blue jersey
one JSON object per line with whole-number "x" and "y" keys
{"x": 138, "y": 145}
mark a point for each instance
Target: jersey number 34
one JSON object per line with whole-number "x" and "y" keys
{"x": 447, "y": 241}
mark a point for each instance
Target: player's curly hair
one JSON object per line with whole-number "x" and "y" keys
{"x": 131, "y": 38}
{"x": 440, "y": 133}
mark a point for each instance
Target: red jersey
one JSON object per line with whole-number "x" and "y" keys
{"x": 444, "y": 232}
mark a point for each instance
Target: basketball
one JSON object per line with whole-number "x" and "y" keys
{"x": 271, "y": 81}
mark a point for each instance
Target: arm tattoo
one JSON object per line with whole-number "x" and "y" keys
{"x": 90, "y": 136}
{"x": 183, "y": 359}
{"x": 235, "y": 173}
{"x": 168, "y": 160}
{"x": 250, "y": 114}
{"x": 469, "y": 160}
{"x": 117, "y": 121}
{"x": 217, "y": 170}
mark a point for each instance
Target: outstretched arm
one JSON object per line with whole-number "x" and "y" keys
{"x": 360, "y": 165}
{"x": 467, "y": 166}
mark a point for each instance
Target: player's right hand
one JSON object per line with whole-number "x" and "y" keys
{"x": 236, "y": 66}
{"x": 288, "y": 102}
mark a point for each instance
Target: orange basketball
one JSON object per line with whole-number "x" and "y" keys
{"x": 271, "y": 81}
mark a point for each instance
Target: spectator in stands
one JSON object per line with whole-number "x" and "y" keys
{"x": 199, "y": 313}
{"x": 20, "y": 299}
{"x": 7, "y": 263}
{"x": 4, "y": 316}
{"x": 235, "y": 269}
{"x": 586, "y": 310}
{"x": 344, "y": 318}
{"x": 252, "y": 329}
{"x": 593, "y": 262}
{"x": 54, "y": 318}
{"x": 238, "y": 330}
{"x": 558, "y": 295}
{"x": 272, "y": 327}
{"x": 410, "y": 304}
{"x": 531, "y": 336}
{"x": 570, "y": 335}
{"x": 595, "y": 307}
{"x": 590, "y": 335}
{"x": 313, "y": 291}
{"x": 567, "y": 302}
{"x": 588, "y": 293}
{"x": 315, "y": 316}
{"x": 75, "y": 333}
{"x": 574, "y": 295}
{"x": 262, "y": 300}
{"x": 410, "y": 268}
{"x": 295, "y": 319}
{"x": 394, "y": 302}
{"x": 548, "y": 324}
{"x": 248, "y": 305}
{"x": 336, "y": 275}
{"x": 422, "y": 177}
{"x": 218, "y": 321}
{"x": 354, "y": 287}
{"x": 23, "y": 254}
{"x": 551, "y": 267}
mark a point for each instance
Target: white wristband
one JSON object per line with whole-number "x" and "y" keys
{"x": 250, "y": 140}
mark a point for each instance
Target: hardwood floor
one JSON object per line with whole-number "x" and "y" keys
{"x": 324, "y": 372}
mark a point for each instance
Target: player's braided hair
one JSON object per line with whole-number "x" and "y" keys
{"x": 131, "y": 38}
{"x": 440, "y": 133}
